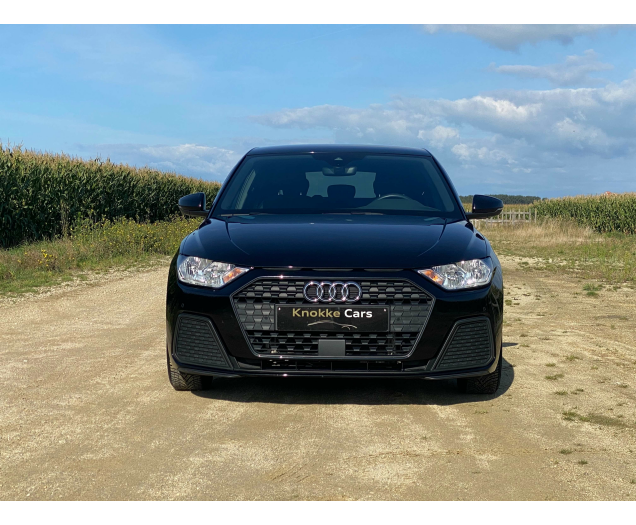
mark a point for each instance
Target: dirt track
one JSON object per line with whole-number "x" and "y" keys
{"x": 86, "y": 411}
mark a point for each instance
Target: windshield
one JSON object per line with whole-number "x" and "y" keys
{"x": 338, "y": 183}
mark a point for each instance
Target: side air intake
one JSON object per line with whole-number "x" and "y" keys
{"x": 470, "y": 345}
{"x": 197, "y": 343}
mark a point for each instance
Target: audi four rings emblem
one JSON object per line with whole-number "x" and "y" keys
{"x": 336, "y": 292}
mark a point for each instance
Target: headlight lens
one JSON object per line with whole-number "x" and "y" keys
{"x": 461, "y": 275}
{"x": 203, "y": 272}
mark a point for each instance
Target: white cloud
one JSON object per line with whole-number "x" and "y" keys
{"x": 510, "y": 36}
{"x": 207, "y": 162}
{"x": 559, "y": 131}
{"x": 467, "y": 154}
{"x": 192, "y": 157}
{"x": 361, "y": 122}
{"x": 439, "y": 136}
{"x": 574, "y": 71}
{"x": 462, "y": 151}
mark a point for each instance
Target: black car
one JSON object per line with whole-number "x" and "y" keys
{"x": 333, "y": 260}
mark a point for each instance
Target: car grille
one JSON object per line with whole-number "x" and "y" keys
{"x": 196, "y": 343}
{"x": 409, "y": 306}
{"x": 469, "y": 346}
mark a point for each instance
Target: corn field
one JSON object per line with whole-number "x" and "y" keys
{"x": 43, "y": 195}
{"x": 603, "y": 213}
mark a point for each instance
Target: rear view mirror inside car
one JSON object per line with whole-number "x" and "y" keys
{"x": 338, "y": 171}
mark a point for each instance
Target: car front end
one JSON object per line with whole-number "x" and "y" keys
{"x": 348, "y": 291}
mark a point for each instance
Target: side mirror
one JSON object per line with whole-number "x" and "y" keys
{"x": 484, "y": 207}
{"x": 193, "y": 205}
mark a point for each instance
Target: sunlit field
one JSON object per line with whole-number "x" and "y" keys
{"x": 563, "y": 245}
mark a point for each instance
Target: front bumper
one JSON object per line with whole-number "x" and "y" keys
{"x": 456, "y": 323}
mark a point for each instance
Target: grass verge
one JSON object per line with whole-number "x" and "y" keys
{"x": 89, "y": 247}
{"x": 560, "y": 245}
{"x": 550, "y": 245}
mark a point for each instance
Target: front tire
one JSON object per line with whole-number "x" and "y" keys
{"x": 487, "y": 384}
{"x": 187, "y": 382}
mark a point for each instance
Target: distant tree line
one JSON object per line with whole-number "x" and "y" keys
{"x": 507, "y": 199}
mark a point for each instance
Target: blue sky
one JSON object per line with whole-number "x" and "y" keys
{"x": 542, "y": 110}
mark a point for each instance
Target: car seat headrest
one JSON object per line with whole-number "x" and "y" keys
{"x": 294, "y": 185}
{"x": 341, "y": 191}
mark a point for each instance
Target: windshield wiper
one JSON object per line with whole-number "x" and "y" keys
{"x": 243, "y": 214}
{"x": 352, "y": 213}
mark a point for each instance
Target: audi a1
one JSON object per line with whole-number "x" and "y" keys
{"x": 334, "y": 260}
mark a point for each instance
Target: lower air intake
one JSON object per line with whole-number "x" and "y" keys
{"x": 470, "y": 345}
{"x": 196, "y": 343}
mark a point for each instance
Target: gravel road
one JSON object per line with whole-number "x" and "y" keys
{"x": 86, "y": 410}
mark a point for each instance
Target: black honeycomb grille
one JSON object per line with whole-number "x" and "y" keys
{"x": 470, "y": 346}
{"x": 409, "y": 310}
{"x": 197, "y": 344}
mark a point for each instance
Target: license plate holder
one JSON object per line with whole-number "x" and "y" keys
{"x": 332, "y": 318}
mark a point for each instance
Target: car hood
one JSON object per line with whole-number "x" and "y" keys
{"x": 335, "y": 241}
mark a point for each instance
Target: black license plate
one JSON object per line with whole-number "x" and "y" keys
{"x": 332, "y": 318}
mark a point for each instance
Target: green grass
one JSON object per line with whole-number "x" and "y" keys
{"x": 592, "y": 289}
{"x": 561, "y": 246}
{"x": 90, "y": 247}
{"x": 554, "y": 377}
{"x": 570, "y": 415}
{"x": 597, "y": 419}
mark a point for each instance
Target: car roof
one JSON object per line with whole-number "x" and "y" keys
{"x": 296, "y": 149}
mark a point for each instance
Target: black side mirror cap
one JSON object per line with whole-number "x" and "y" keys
{"x": 485, "y": 206}
{"x": 193, "y": 205}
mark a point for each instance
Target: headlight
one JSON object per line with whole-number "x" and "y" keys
{"x": 195, "y": 270}
{"x": 461, "y": 275}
